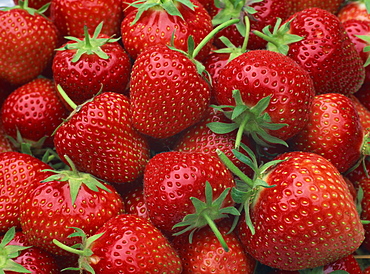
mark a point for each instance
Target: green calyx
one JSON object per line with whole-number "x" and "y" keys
{"x": 75, "y": 179}
{"x": 10, "y": 252}
{"x": 83, "y": 250}
{"x": 24, "y": 6}
{"x": 279, "y": 39}
{"x": 88, "y": 45}
{"x": 366, "y": 39}
{"x": 253, "y": 121}
{"x": 206, "y": 213}
{"x": 247, "y": 189}
{"x": 170, "y": 6}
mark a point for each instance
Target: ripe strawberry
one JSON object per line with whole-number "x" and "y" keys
{"x": 100, "y": 139}
{"x": 354, "y": 9}
{"x": 95, "y": 63}
{"x": 34, "y": 110}
{"x": 158, "y": 21}
{"x": 363, "y": 113}
{"x": 37, "y": 4}
{"x": 85, "y": 202}
{"x": 5, "y": 144}
{"x": 28, "y": 40}
{"x": 70, "y": 16}
{"x": 135, "y": 203}
{"x": 205, "y": 254}
{"x": 167, "y": 93}
{"x": 17, "y": 171}
{"x": 126, "y": 243}
{"x": 306, "y": 217}
{"x": 31, "y": 259}
{"x": 333, "y": 130}
{"x": 172, "y": 178}
{"x": 298, "y": 5}
{"x": 261, "y": 73}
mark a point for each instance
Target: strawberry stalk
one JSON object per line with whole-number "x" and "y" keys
{"x": 24, "y": 5}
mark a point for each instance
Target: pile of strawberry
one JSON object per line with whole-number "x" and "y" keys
{"x": 185, "y": 136}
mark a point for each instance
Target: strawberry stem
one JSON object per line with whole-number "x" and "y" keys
{"x": 216, "y": 231}
{"x": 66, "y": 97}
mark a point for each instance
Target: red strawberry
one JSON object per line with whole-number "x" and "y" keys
{"x": 63, "y": 199}
{"x": 5, "y": 144}
{"x": 35, "y": 110}
{"x": 330, "y": 5}
{"x": 205, "y": 253}
{"x": 17, "y": 171}
{"x": 70, "y": 16}
{"x": 28, "y": 40}
{"x": 355, "y": 9}
{"x": 363, "y": 113}
{"x": 37, "y": 4}
{"x": 306, "y": 217}
{"x": 31, "y": 259}
{"x": 258, "y": 74}
{"x": 333, "y": 130}
{"x": 127, "y": 243}
{"x": 85, "y": 66}
{"x": 167, "y": 93}
{"x": 135, "y": 203}
{"x": 100, "y": 139}
{"x": 155, "y": 23}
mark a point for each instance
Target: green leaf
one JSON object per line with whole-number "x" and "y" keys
{"x": 222, "y": 128}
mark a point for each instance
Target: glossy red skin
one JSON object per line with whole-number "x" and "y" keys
{"x": 47, "y": 212}
{"x": 17, "y": 171}
{"x": 329, "y": 5}
{"x": 28, "y": 43}
{"x": 326, "y": 52}
{"x": 83, "y": 79}
{"x": 100, "y": 140}
{"x": 205, "y": 253}
{"x": 35, "y": 110}
{"x": 363, "y": 113}
{"x": 34, "y": 259}
{"x": 333, "y": 130}
{"x": 214, "y": 63}
{"x": 36, "y": 4}
{"x": 307, "y": 220}
{"x": 259, "y": 73}
{"x": 135, "y": 203}
{"x": 158, "y": 27}
{"x": 131, "y": 244}
{"x": 356, "y": 27}
{"x": 267, "y": 12}
{"x": 200, "y": 138}
{"x": 70, "y": 16}
{"x": 171, "y": 178}
{"x": 167, "y": 94}
{"x": 353, "y": 10}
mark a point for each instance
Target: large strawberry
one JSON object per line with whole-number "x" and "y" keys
{"x": 126, "y": 243}
{"x": 27, "y": 43}
{"x": 155, "y": 22}
{"x": 34, "y": 110}
{"x": 59, "y": 200}
{"x": 100, "y": 139}
{"x": 333, "y": 130}
{"x": 87, "y": 65}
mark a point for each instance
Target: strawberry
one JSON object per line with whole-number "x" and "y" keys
{"x": 318, "y": 42}
{"x": 34, "y": 110}
{"x": 17, "y": 171}
{"x": 334, "y": 131}
{"x": 363, "y": 94}
{"x": 86, "y": 202}
{"x": 298, "y": 5}
{"x": 363, "y": 113}
{"x": 37, "y": 4}
{"x": 154, "y": 23}
{"x": 28, "y": 40}
{"x": 167, "y": 93}
{"x": 126, "y": 243}
{"x": 299, "y": 213}
{"x": 207, "y": 255}
{"x": 282, "y": 88}
{"x": 95, "y": 63}
{"x": 70, "y": 16}
{"x": 135, "y": 203}
{"x": 5, "y": 144}
{"x": 100, "y": 139}
{"x": 354, "y": 9}
{"x": 28, "y": 260}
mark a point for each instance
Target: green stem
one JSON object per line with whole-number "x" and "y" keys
{"x": 247, "y": 30}
{"x": 68, "y": 248}
{"x": 217, "y": 232}
{"x": 212, "y": 34}
{"x": 240, "y": 132}
{"x": 65, "y": 97}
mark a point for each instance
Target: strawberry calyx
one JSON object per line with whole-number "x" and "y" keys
{"x": 89, "y": 44}
{"x": 366, "y": 39}
{"x": 24, "y": 6}
{"x": 83, "y": 250}
{"x": 206, "y": 213}
{"x": 253, "y": 121}
{"x": 75, "y": 179}
{"x": 279, "y": 39}
{"x": 9, "y": 252}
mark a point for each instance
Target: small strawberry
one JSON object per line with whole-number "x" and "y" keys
{"x": 124, "y": 244}
{"x": 99, "y": 139}
{"x": 354, "y": 9}
{"x": 27, "y": 43}
{"x": 85, "y": 66}
{"x": 135, "y": 203}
